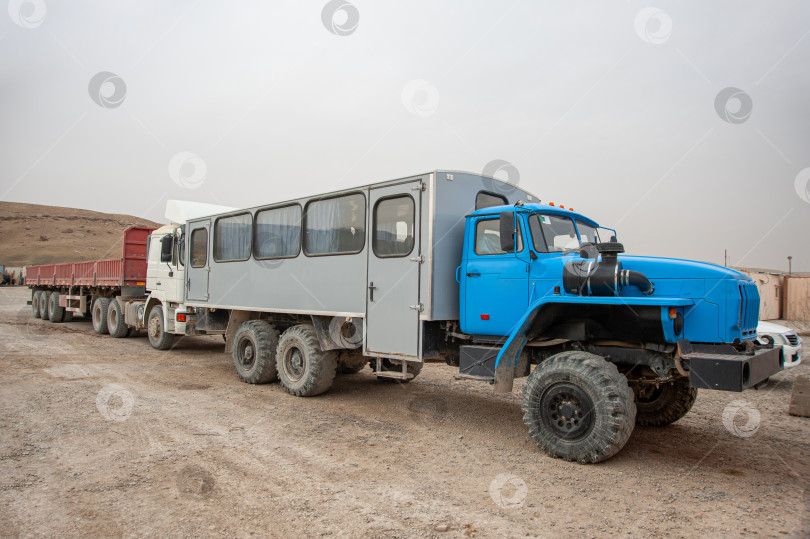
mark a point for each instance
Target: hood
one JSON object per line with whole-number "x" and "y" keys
{"x": 674, "y": 268}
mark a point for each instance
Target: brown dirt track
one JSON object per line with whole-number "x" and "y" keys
{"x": 179, "y": 447}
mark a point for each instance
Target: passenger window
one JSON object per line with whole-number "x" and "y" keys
{"x": 552, "y": 233}
{"x": 335, "y": 226}
{"x": 488, "y": 238}
{"x": 488, "y": 200}
{"x": 232, "y": 238}
{"x": 393, "y": 227}
{"x": 278, "y": 232}
{"x": 199, "y": 247}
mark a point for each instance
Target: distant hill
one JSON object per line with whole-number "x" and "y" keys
{"x": 34, "y": 234}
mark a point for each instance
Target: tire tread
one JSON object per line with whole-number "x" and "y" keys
{"x": 614, "y": 394}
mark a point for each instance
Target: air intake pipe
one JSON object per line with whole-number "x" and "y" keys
{"x": 605, "y": 277}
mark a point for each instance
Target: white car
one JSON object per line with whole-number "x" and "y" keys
{"x": 791, "y": 343}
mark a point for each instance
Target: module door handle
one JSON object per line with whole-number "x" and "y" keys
{"x": 474, "y": 274}
{"x": 371, "y": 289}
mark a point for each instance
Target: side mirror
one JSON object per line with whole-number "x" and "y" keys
{"x": 166, "y": 248}
{"x": 507, "y": 231}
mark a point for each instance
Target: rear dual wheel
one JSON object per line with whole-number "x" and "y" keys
{"x": 303, "y": 368}
{"x": 254, "y": 352}
{"x": 35, "y": 303}
{"x": 116, "y": 326}
{"x": 99, "y": 315}
{"x": 43, "y": 304}
{"x": 295, "y": 358}
{"x": 56, "y": 314}
{"x": 665, "y": 404}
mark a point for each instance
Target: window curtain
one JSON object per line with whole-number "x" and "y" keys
{"x": 233, "y": 237}
{"x": 278, "y": 232}
{"x": 336, "y": 225}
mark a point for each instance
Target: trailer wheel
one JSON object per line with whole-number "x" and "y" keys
{"x": 100, "y": 308}
{"x": 665, "y": 404}
{"x": 254, "y": 352}
{"x": 394, "y": 365}
{"x": 43, "y": 304}
{"x": 303, "y": 368}
{"x": 578, "y": 407}
{"x": 35, "y": 303}
{"x": 56, "y": 314}
{"x": 116, "y": 325}
{"x": 156, "y": 329}
{"x": 68, "y": 316}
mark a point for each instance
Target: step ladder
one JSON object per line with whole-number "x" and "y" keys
{"x": 397, "y": 375}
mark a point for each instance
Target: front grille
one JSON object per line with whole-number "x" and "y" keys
{"x": 793, "y": 339}
{"x": 749, "y": 307}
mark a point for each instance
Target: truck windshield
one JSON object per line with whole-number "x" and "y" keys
{"x": 587, "y": 233}
{"x": 553, "y": 233}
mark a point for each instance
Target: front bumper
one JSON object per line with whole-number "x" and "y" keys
{"x": 722, "y": 367}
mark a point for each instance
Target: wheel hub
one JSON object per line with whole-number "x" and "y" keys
{"x": 294, "y": 364}
{"x": 567, "y": 411}
{"x": 248, "y": 354}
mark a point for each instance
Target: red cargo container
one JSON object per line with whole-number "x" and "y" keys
{"x": 129, "y": 270}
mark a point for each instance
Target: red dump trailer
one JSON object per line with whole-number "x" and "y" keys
{"x": 60, "y": 290}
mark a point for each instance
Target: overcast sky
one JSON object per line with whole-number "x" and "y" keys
{"x": 618, "y": 109}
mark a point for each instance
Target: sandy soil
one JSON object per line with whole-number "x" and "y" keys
{"x": 33, "y": 234}
{"x": 102, "y": 436}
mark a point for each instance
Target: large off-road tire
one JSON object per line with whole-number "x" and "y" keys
{"x": 43, "y": 304}
{"x": 99, "y": 315}
{"x": 396, "y": 365}
{"x": 578, "y": 407}
{"x": 303, "y": 368}
{"x": 116, "y": 325}
{"x": 156, "y": 329}
{"x": 35, "y": 303}
{"x": 254, "y": 352}
{"x": 665, "y": 404}
{"x": 351, "y": 361}
{"x": 56, "y": 314}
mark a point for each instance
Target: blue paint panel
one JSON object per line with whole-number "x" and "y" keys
{"x": 719, "y": 305}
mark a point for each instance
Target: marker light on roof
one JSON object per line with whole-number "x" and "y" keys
{"x": 550, "y": 203}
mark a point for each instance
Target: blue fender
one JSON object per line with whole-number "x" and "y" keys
{"x": 510, "y": 352}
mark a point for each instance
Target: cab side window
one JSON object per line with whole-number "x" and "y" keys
{"x": 488, "y": 237}
{"x": 487, "y": 200}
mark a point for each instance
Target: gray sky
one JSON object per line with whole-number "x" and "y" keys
{"x": 606, "y": 107}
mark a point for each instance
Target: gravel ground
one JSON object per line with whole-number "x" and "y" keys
{"x": 102, "y": 436}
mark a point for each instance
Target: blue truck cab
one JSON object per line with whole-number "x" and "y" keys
{"x": 616, "y": 339}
